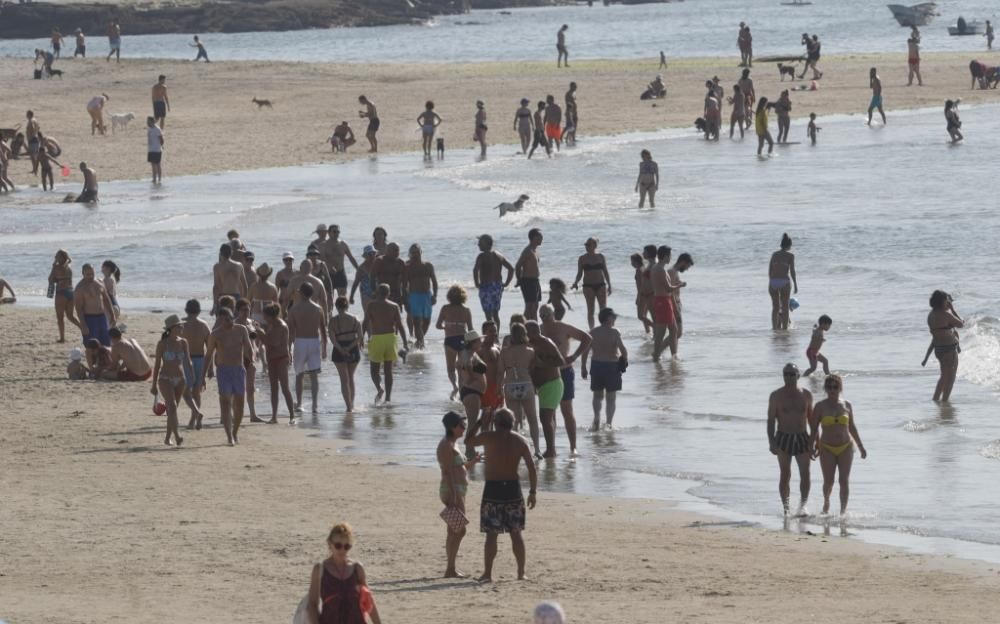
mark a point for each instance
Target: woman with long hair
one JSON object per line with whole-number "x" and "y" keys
{"x": 340, "y": 585}
{"x": 61, "y": 291}
{"x": 348, "y": 339}
{"x": 944, "y": 322}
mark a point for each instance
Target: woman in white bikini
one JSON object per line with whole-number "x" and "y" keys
{"x": 516, "y": 360}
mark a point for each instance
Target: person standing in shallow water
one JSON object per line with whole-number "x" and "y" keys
{"x": 789, "y": 435}
{"x": 781, "y": 283}
{"x": 428, "y": 122}
{"x": 479, "y": 135}
{"x": 648, "y": 181}
{"x": 954, "y": 123}
{"x": 371, "y": 114}
{"x": 834, "y": 440}
{"x": 944, "y": 322}
{"x": 523, "y": 125}
{"x": 876, "y": 86}
{"x": 561, "y": 46}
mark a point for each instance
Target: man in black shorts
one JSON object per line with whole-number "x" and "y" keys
{"x": 161, "y": 103}
{"x": 527, "y": 272}
{"x": 503, "y": 509}
{"x": 371, "y": 113}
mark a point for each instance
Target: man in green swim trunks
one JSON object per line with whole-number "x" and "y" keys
{"x": 546, "y": 374}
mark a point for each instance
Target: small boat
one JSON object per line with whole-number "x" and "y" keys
{"x": 963, "y": 27}
{"x": 916, "y": 15}
{"x": 796, "y": 3}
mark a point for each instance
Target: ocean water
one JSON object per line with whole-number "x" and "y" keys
{"x": 880, "y": 217}
{"x": 681, "y": 29}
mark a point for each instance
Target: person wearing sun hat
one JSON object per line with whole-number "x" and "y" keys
{"x": 610, "y": 359}
{"x": 320, "y": 233}
{"x": 168, "y": 380}
{"x": 363, "y": 277}
{"x": 262, "y": 293}
{"x": 76, "y": 369}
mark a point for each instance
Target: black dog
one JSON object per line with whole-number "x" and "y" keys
{"x": 55, "y": 72}
{"x": 701, "y": 124}
{"x": 440, "y": 147}
{"x": 786, "y": 70}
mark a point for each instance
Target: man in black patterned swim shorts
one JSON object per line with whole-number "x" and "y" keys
{"x": 503, "y": 509}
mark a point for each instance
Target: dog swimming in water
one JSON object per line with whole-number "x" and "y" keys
{"x": 514, "y": 206}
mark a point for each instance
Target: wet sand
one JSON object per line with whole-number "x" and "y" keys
{"x": 102, "y": 523}
{"x": 213, "y": 126}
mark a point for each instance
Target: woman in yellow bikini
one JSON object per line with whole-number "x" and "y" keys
{"x": 837, "y": 435}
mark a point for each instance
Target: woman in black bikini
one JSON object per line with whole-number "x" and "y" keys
{"x": 455, "y": 319}
{"x": 348, "y": 340}
{"x": 523, "y": 125}
{"x": 338, "y": 590}
{"x": 593, "y": 269}
{"x": 61, "y": 291}
{"x": 943, "y": 323}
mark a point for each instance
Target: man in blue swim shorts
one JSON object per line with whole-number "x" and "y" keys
{"x": 231, "y": 343}
{"x": 487, "y": 274}
{"x": 93, "y": 307}
{"x": 421, "y": 286}
{"x": 876, "y": 85}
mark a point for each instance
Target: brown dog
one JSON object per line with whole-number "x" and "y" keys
{"x": 262, "y": 103}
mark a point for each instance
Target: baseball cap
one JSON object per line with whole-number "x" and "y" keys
{"x": 368, "y": 250}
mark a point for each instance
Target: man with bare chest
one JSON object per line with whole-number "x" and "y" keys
{"x": 93, "y": 307}
{"x": 488, "y": 278}
{"x": 420, "y": 286}
{"x": 305, "y": 276}
{"x": 228, "y": 276}
{"x": 335, "y": 251}
{"x": 196, "y": 332}
{"x": 561, "y": 334}
{"x": 527, "y": 272}
{"x": 307, "y": 328}
{"x": 789, "y": 425}
{"x": 389, "y": 270}
{"x": 547, "y": 376}
{"x": 228, "y": 347}
{"x": 382, "y": 322}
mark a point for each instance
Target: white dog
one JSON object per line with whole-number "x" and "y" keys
{"x": 121, "y": 121}
{"x": 515, "y": 206}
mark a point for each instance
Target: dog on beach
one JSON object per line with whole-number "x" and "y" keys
{"x": 786, "y": 70}
{"x": 262, "y": 103}
{"x": 440, "y": 147}
{"x": 55, "y": 72}
{"x": 514, "y": 206}
{"x": 701, "y": 124}
{"x": 120, "y": 121}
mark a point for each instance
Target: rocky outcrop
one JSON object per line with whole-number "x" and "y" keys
{"x": 36, "y": 19}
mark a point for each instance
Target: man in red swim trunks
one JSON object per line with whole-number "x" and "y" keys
{"x": 664, "y": 312}
{"x": 553, "y": 121}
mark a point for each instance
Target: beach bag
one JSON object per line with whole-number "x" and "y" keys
{"x": 454, "y": 518}
{"x": 300, "y": 616}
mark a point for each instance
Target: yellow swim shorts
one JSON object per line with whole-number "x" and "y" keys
{"x": 382, "y": 348}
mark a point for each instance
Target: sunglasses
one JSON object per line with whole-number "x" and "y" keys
{"x": 341, "y": 546}
{"x": 790, "y": 374}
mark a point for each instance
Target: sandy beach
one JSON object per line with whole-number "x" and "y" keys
{"x": 101, "y": 523}
{"x": 213, "y": 126}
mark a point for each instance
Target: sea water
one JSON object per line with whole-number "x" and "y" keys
{"x": 680, "y": 29}
{"x": 880, "y": 217}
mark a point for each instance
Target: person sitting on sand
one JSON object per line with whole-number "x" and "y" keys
{"x": 129, "y": 361}
{"x": 342, "y": 137}
{"x": 76, "y": 370}
{"x": 5, "y": 285}
{"x": 89, "y": 193}
{"x": 503, "y": 507}
{"x": 339, "y": 583}
{"x": 98, "y": 358}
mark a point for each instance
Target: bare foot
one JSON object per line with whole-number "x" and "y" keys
{"x": 231, "y": 442}
{"x": 292, "y": 421}
{"x": 549, "y": 454}
{"x": 167, "y": 441}
{"x": 522, "y": 577}
{"x": 379, "y": 395}
{"x": 454, "y": 574}
{"x": 255, "y": 419}
{"x": 180, "y": 441}
{"x": 273, "y": 421}
{"x": 236, "y": 439}
{"x": 454, "y": 393}
{"x": 190, "y": 426}
{"x": 484, "y": 579}
{"x": 198, "y": 424}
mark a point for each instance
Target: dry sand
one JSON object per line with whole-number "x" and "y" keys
{"x": 101, "y": 523}
{"x": 213, "y": 126}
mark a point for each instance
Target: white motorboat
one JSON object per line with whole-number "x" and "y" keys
{"x": 915, "y": 15}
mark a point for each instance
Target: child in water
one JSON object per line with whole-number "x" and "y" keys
{"x": 816, "y": 343}
{"x": 812, "y": 130}
{"x": 557, "y": 297}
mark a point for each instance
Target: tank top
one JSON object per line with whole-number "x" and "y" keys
{"x": 341, "y": 598}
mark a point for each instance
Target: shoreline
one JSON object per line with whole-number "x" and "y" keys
{"x": 211, "y": 130}
{"x": 192, "y": 521}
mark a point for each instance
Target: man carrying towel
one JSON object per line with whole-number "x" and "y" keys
{"x": 93, "y": 307}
